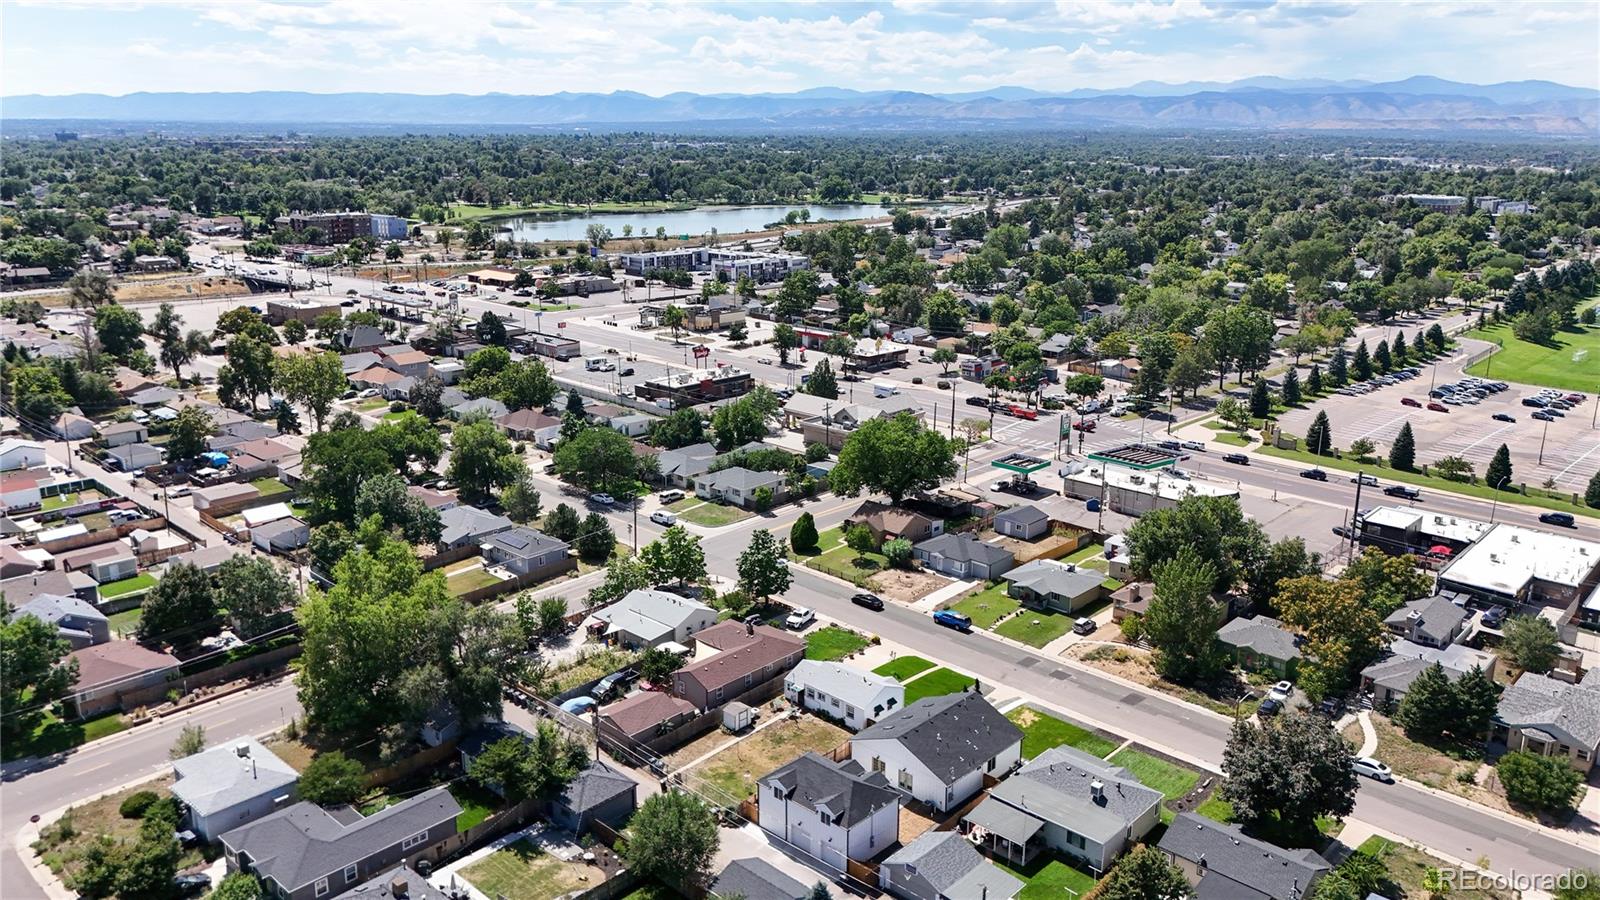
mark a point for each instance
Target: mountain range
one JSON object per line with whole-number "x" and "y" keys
{"x": 1421, "y": 103}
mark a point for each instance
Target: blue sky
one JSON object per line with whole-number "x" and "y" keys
{"x": 64, "y": 46}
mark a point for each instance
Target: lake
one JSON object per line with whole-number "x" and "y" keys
{"x": 693, "y": 222}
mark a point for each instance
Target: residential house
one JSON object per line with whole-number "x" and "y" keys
{"x": 438, "y": 501}
{"x": 599, "y": 793}
{"x": 1433, "y": 621}
{"x": 964, "y": 556}
{"x": 1057, "y": 348}
{"x": 448, "y": 371}
{"x": 1055, "y": 585}
{"x": 889, "y": 523}
{"x": 939, "y": 749}
{"x": 108, "y": 671}
{"x": 527, "y": 553}
{"x": 1388, "y": 679}
{"x": 399, "y": 883}
{"x": 377, "y": 377}
{"x": 121, "y": 433}
{"x": 408, "y": 362}
{"x": 281, "y": 535}
{"x": 637, "y": 425}
{"x": 21, "y": 588}
{"x": 22, "y": 489}
{"x": 833, "y": 811}
{"x": 834, "y": 690}
{"x": 756, "y": 879}
{"x": 650, "y": 618}
{"x": 153, "y": 396}
{"x": 360, "y": 338}
{"x": 749, "y": 656}
{"x": 353, "y": 363}
{"x": 910, "y": 334}
{"x": 225, "y": 499}
{"x": 1222, "y": 861}
{"x": 16, "y": 453}
{"x": 679, "y": 468}
{"x": 1070, "y": 802}
{"x": 489, "y": 406}
{"x": 73, "y": 427}
{"x": 1551, "y": 718}
{"x": 1025, "y": 523}
{"x": 15, "y": 563}
{"x": 134, "y": 457}
{"x": 79, "y": 622}
{"x": 1261, "y": 643}
{"x": 305, "y": 852}
{"x": 644, "y": 715}
{"x": 462, "y": 526}
{"x": 737, "y": 486}
{"x": 105, "y": 563}
{"x": 231, "y": 785}
{"x": 207, "y": 559}
{"x": 942, "y": 865}
{"x": 530, "y": 425}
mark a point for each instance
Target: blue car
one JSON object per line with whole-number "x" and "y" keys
{"x": 949, "y": 618}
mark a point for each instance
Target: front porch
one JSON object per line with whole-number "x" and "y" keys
{"x": 1004, "y": 832}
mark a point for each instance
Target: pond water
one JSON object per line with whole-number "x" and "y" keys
{"x": 692, "y": 222}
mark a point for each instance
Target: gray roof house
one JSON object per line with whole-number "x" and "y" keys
{"x": 1222, "y": 862}
{"x": 489, "y": 406}
{"x": 135, "y": 457}
{"x": 1432, "y": 621}
{"x": 738, "y": 485}
{"x": 599, "y": 793}
{"x": 941, "y": 865}
{"x": 831, "y": 810}
{"x": 79, "y": 622}
{"x": 527, "y": 552}
{"x": 939, "y": 748}
{"x": 681, "y": 466}
{"x": 153, "y": 396}
{"x": 757, "y": 879}
{"x": 1551, "y": 718}
{"x": 464, "y": 525}
{"x": 1022, "y": 522}
{"x": 650, "y": 618}
{"x": 1261, "y": 642}
{"x": 1070, "y": 802}
{"x": 352, "y": 363}
{"x": 964, "y": 556}
{"x": 399, "y": 883}
{"x": 231, "y": 785}
{"x": 281, "y": 536}
{"x": 1052, "y": 584}
{"x": 1390, "y": 677}
{"x": 304, "y": 852}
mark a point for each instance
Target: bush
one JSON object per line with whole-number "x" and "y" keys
{"x": 898, "y": 553}
{"x": 332, "y": 779}
{"x": 860, "y": 539}
{"x": 803, "y": 534}
{"x": 1132, "y": 628}
{"x": 134, "y": 805}
{"x": 1540, "y": 782}
{"x": 163, "y": 810}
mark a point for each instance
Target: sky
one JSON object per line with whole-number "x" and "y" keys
{"x": 461, "y": 46}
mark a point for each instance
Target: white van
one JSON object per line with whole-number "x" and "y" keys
{"x": 884, "y": 389}
{"x": 598, "y": 364}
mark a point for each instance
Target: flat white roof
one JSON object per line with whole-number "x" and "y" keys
{"x": 261, "y": 515}
{"x": 1507, "y": 557}
{"x": 65, "y": 531}
{"x": 1167, "y": 486}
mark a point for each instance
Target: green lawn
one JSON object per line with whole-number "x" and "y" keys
{"x": 476, "y": 804}
{"x": 469, "y": 580}
{"x": 1571, "y": 361}
{"x": 127, "y": 621}
{"x": 904, "y": 668}
{"x": 1036, "y": 627}
{"x": 59, "y": 501}
{"x": 392, "y": 416}
{"x": 1088, "y": 555}
{"x": 1534, "y": 496}
{"x": 270, "y": 487}
{"x": 987, "y": 606}
{"x": 833, "y": 643}
{"x": 936, "y": 684}
{"x": 709, "y": 515}
{"x": 828, "y": 539}
{"x": 370, "y": 404}
{"x": 55, "y": 736}
{"x": 523, "y": 871}
{"x": 1042, "y": 731}
{"x": 1218, "y": 809}
{"x": 843, "y": 562}
{"x": 1231, "y": 439}
{"x": 140, "y": 582}
{"x": 1049, "y": 878}
{"x": 1171, "y": 780}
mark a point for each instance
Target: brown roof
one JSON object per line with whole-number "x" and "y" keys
{"x": 267, "y": 449}
{"x": 16, "y": 481}
{"x": 410, "y": 357}
{"x": 116, "y": 660}
{"x": 434, "y": 499}
{"x": 377, "y": 375}
{"x": 744, "y": 651}
{"x": 893, "y": 519}
{"x": 77, "y": 558}
{"x": 526, "y": 420}
{"x": 644, "y": 711}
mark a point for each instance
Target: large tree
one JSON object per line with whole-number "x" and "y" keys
{"x": 1293, "y": 768}
{"x": 1530, "y": 643}
{"x": 1403, "y": 452}
{"x": 673, "y": 838}
{"x": 1499, "y": 474}
{"x": 180, "y": 609}
{"x": 248, "y": 373}
{"x": 334, "y": 464}
{"x": 1182, "y": 621}
{"x": 1342, "y": 632}
{"x": 255, "y": 592}
{"x": 597, "y": 458}
{"x": 680, "y": 429}
{"x": 1144, "y": 874}
{"x": 482, "y": 460}
{"x": 189, "y": 433}
{"x": 525, "y": 385}
{"x": 38, "y": 672}
{"x": 893, "y": 456}
{"x": 1388, "y": 582}
{"x": 744, "y": 420}
{"x": 313, "y": 380}
{"x": 676, "y": 556}
{"x": 119, "y": 329}
{"x": 763, "y": 567}
{"x": 1214, "y": 527}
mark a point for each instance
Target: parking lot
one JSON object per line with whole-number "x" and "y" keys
{"x": 1571, "y": 446}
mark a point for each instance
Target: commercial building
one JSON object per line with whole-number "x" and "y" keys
{"x": 694, "y": 387}
{"x": 306, "y": 311}
{"x": 733, "y": 263}
{"x": 1437, "y": 202}
{"x": 332, "y": 227}
{"x": 1511, "y": 565}
{"x": 549, "y": 345}
{"x": 1136, "y": 493}
{"x": 389, "y": 228}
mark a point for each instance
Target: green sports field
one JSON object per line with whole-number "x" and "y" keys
{"x": 1571, "y": 362}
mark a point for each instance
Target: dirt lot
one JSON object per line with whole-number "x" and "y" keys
{"x": 734, "y": 770}
{"x": 190, "y": 287}
{"x": 905, "y": 584}
{"x": 1134, "y": 664}
{"x": 1028, "y": 551}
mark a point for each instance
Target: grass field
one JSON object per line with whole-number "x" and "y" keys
{"x": 471, "y": 579}
{"x": 904, "y": 668}
{"x": 476, "y": 804}
{"x": 833, "y": 643}
{"x": 1048, "y": 878}
{"x": 709, "y": 515}
{"x": 140, "y": 582}
{"x": 1571, "y": 361}
{"x": 1036, "y": 627}
{"x": 1173, "y": 781}
{"x": 270, "y": 487}
{"x": 59, "y": 501}
{"x": 734, "y": 771}
{"x": 1231, "y": 439}
{"x": 523, "y": 871}
{"x": 936, "y": 684}
{"x": 988, "y": 606}
{"x": 1042, "y": 731}
{"x": 55, "y": 736}
{"x": 125, "y": 622}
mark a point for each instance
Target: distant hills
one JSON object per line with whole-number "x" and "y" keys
{"x": 1420, "y": 103}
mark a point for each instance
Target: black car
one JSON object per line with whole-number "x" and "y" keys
{"x": 1503, "y": 417}
{"x": 1494, "y": 616}
{"x": 191, "y": 885}
{"x": 1565, "y": 520}
{"x": 625, "y": 373}
{"x": 1314, "y": 475}
{"x": 1344, "y": 531}
{"x": 1332, "y": 707}
{"x": 870, "y": 601}
{"x": 1269, "y": 707}
{"x": 977, "y": 401}
{"x": 1401, "y": 490}
{"x": 1238, "y": 459}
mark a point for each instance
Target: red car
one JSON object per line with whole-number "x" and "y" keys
{"x": 1409, "y": 401}
{"x": 1438, "y": 407}
{"x": 1083, "y": 425}
{"x": 1022, "y": 412}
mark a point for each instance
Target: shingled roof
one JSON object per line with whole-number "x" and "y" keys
{"x": 952, "y": 735}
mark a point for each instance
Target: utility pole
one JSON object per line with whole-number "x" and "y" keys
{"x": 1356, "y": 509}
{"x": 1542, "y": 433}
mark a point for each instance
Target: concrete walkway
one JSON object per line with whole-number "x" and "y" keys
{"x": 953, "y": 591}
{"x": 1369, "y": 735}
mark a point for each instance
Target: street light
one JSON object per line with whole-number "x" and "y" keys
{"x": 1542, "y": 433}
{"x": 1495, "y": 505}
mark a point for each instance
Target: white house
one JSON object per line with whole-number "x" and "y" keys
{"x": 16, "y": 453}
{"x": 833, "y": 811}
{"x": 855, "y": 696}
{"x": 939, "y": 748}
{"x": 650, "y": 618}
{"x": 232, "y": 785}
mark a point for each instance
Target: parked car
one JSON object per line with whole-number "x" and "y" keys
{"x": 1402, "y": 490}
{"x": 1438, "y": 407}
{"x": 191, "y": 885}
{"x": 942, "y": 385}
{"x": 1533, "y": 401}
{"x": 368, "y": 393}
{"x": 601, "y": 499}
{"x": 662, "y": 517}
{"x": 1084, "y": 626}
{"x": 1494, "y": 616}
{"x": 1565, "y": 520}
{"x": 1314, "y": 475}
{"x": 616, "y": 680}
{"x": 1238, "y": 459}
{"x": 672, "y": 496}
{"x": 1503, "y": 417}
{"x": 1543, "y": 416}
{"x": 800, "y": 618}
{"x": 1269, "y": 707}
{"x": 977, "y": 401}
{"x": 1366, "y": 765}
{"x": 1332, "y": 707}
{"x": 870, "y": 601}
{"x": 949, "y": 618}
{"x": 1344, "y": 531}
{"x": 1281, "y": 691}
{"x": 626, "y": 372}
{"x": 1409, "y": 401}
{"x": 1364, "y": 478}
{"x": 1192, "y": 445}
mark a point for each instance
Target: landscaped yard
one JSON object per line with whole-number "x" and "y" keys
{"x": 708, "y": 515}
{"x": 470, "y": 579}
{"x": 1036, "y": 627}
{"x": 1417, "y": 761}
{"x": 476, "y": 803}
{"x": 1088, "y": 555}
{"x": 1571, "y": 361}
{"x": 59, "y": 501}
{"x": 1042, "y": 731}
{"x": 843, "y": 562}
{"x": 127, "y": 621}
{"x": 369, "y": 404}
{"x": 1408, "y": 867}
{"x": 734, "y": 771}
{"x": 1049, "y": 878}
{"x": 62, "y": 848}
{"x": 1220, "y": 810}
{"x": 904, "y": 668}
{"x": 270, "y": 487}
{"x": 1232, "y": 439}
{"x": 833, "y": 643}
{"x": 935, "y": 684}
{"x": 1171, "y": 779}
{"x": 55, "y": 736}
{"x": 523, "y": 871}
{"x": 140, "y": 582}
{"x": 988, "y": 606}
